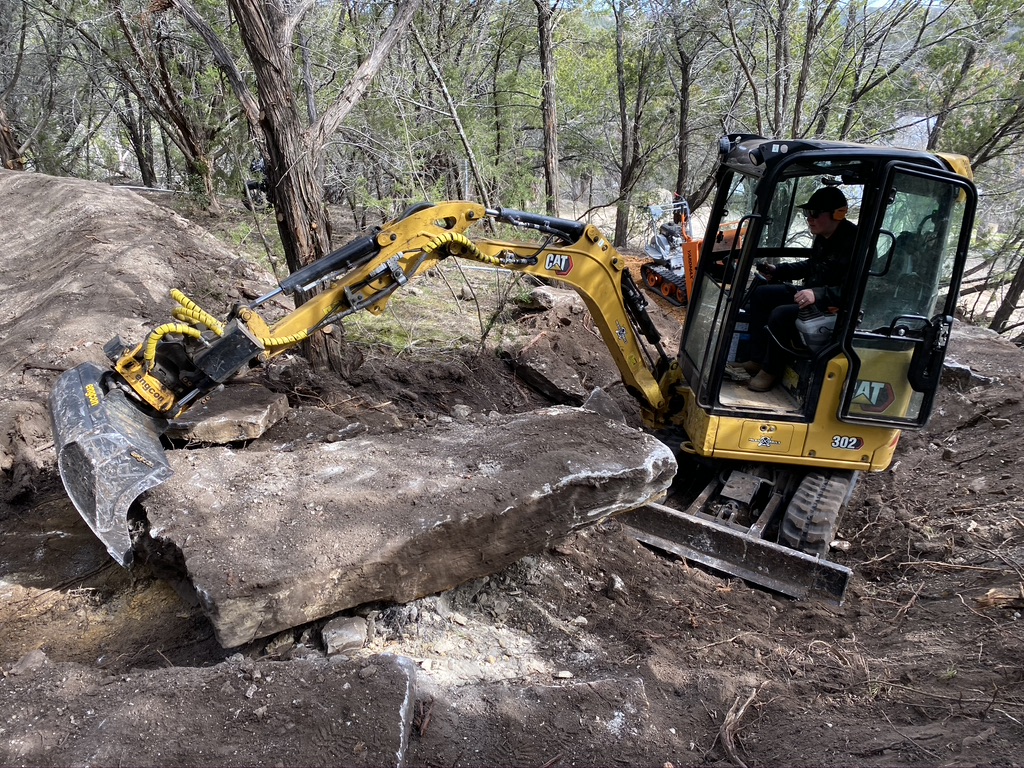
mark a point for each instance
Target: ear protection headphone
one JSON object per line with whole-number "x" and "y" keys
{"x": 839, "y": 214}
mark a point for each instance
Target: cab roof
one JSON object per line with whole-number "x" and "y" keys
{"x": 755, "y": 155}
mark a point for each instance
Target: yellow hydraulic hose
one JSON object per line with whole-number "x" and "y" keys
{"x": 149, "y": 353}
{"x": 189, "y": 311}
{"x": 284, "y": 341}
{"x": 456, "y": 237}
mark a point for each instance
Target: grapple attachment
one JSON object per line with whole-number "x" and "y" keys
{"x": 108, "y": 453}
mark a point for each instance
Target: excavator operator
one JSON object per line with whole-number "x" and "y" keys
{"x": 773, "y": 307}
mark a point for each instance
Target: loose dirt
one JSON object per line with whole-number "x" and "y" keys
{"x": 595, "y": 652}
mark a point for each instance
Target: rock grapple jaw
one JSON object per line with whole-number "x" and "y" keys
{"x": 108, "y": 453}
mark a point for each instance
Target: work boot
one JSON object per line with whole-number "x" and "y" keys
{"x": 751, "y": 367}
{"x": 762, "y": 382}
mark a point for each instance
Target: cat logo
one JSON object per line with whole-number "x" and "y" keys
{"x": 873, "y": 396}
{"x": 559, "y": 263}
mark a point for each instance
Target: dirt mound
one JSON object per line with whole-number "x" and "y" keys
{"x": 597, "y": 652}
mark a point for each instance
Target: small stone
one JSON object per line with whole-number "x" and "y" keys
{"x": 344, "y": 634}
{"x": 367, "y": 672}
{"x": 30, "y": 662}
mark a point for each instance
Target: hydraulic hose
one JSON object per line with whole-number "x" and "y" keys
{"x": 191, "y": 312}
{"x": 284, "y": 341}
{"x": 149, "y": 351}
{"x": 455, "y": 237}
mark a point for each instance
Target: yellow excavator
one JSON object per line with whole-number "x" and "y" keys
{"x": 763, "y": 475}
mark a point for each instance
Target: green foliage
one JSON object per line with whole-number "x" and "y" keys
{"x": 459, "y": 98}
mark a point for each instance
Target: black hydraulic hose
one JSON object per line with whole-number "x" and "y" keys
{"x": 568, "y": 230}
{"x": 636, "y": 305}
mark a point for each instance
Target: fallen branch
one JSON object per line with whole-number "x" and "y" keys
{"x": 1003, "y": 597}
{"x": 916, "y": 744}
{"x": 904, "y": 610}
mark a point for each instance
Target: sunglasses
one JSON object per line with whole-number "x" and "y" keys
{"x": 814, "y": 214}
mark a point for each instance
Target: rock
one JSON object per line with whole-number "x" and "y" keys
{"x": 29, "y": 663}
{"x": 546, "y": 298}
{"x": 343, "y": 634}
{"x": 240, "y": 411}
{"x": 961, "y": 376}
{"x": 544, "y": 368}
{"x": 274, "y": 540}
{"x": 601, "y": 402}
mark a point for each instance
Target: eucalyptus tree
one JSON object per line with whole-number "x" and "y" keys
{"x": 831, "y": 69}
{"x": 691, "y": 55}
{"x": 440, "y": 84}
{"x": 11, "y": 158}
{"x": 644, "y": 117}
{"x": 514, "y": 86}
{"x": 14, "y": 25}
{"x": 293, "y": 128}
{"x": 143, "y": 66}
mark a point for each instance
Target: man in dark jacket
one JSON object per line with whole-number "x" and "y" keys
{"x": 773, "y": 308}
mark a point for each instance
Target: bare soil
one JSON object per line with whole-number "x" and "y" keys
{"x": 598, "y": 651}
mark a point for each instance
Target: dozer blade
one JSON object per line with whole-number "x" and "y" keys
{"x": 738, "y": 552}
{"x": 108, "y": 453}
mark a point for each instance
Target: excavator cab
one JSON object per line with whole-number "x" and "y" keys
{"x": 874, "y": 367}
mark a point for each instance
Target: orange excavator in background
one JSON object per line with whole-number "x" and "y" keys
{"x": 763, "y": 476}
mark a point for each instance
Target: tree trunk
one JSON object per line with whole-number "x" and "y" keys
{"x": 10, "y": 157}
{"x": 293, "y": 171}
{"x": 293, "y": 151}
{"x": 545, "y": 23}
{"x": 683, "y": 123}
{"x": 952, "y": 92}
{"x": 1011, "y": 301}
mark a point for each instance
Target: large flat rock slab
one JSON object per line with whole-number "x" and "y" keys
{"x": 276, "y": 539}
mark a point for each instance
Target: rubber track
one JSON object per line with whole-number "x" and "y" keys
{"x": 812, "y": 516}
{"x": 667, "y": 276}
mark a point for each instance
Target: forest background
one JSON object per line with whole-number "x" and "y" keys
{"x": 590, "y": 110}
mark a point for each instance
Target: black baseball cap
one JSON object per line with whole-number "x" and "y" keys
{"x": 825, "y": 199}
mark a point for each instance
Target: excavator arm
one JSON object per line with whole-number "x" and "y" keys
{"x": 179, "y": 362}
{"x": 108, "y": 422}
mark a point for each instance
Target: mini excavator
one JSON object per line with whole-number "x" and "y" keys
{"x": 763, "y": 476}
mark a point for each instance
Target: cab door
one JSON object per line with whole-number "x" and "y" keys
{"x": 719, "y": 286}
{"x": 898, "y": 344}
